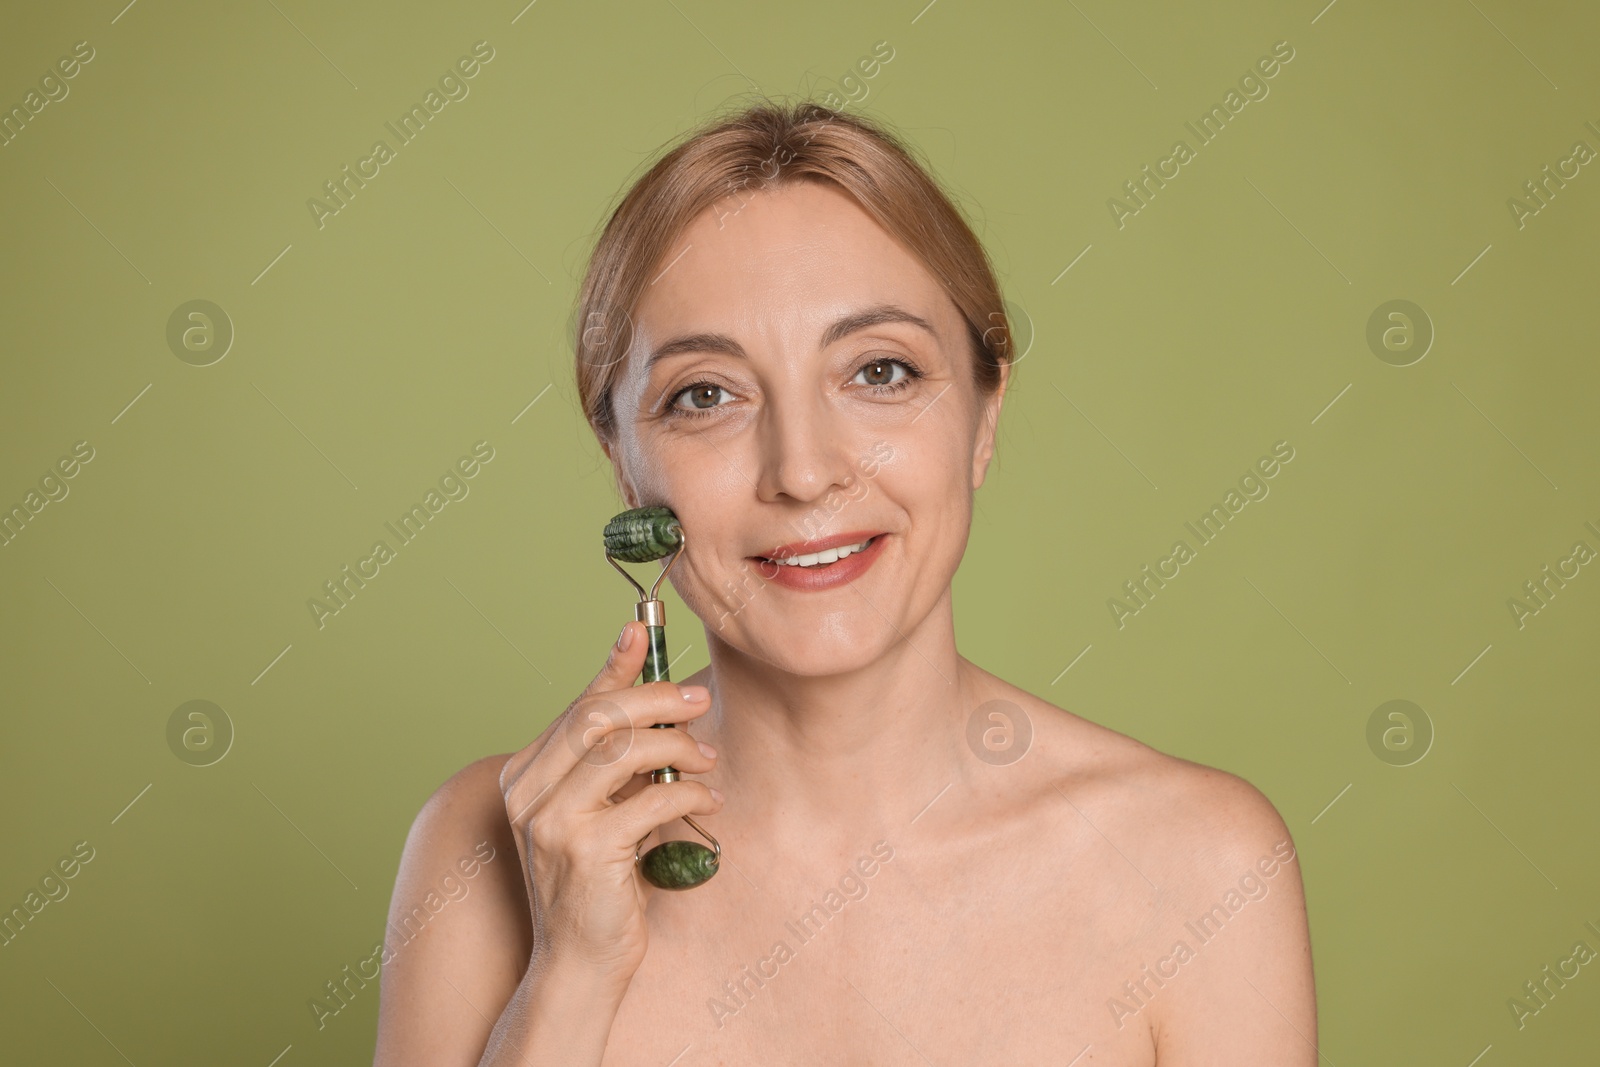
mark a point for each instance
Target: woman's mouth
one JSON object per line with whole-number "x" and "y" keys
{"x": 825, "y": 557}
{"x": 823, "y": 568}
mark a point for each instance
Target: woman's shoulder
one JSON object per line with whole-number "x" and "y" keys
{"x": 465, "y": 811}
{"x": 472, "y": 784}
{"x": 1183, "y": 816}
{"x": 464, "y": 818}
{"x": 467, "y": 804}
{"x": 459, "y": 912}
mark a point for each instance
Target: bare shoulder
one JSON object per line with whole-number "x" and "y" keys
{"x": 468, "y": 804}
{"x": 459, "y": 935}
{"x": 1228, "y": 901}
{"x": 1186, "y": 817}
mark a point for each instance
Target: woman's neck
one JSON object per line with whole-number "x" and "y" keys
{"x": 839, "y": 755}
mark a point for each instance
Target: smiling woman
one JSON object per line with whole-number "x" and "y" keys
{"x": 737, "y": 367}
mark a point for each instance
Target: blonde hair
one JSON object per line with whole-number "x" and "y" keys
{"x": 765, "y": 145}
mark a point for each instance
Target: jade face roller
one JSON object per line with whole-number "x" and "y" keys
{"x": 640, "y": 536}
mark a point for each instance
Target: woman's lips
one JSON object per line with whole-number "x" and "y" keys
{"x": 822, "y": 575}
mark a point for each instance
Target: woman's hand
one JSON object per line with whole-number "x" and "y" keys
{"x": 579, "y": 799}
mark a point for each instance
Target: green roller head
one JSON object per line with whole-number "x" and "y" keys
{"x": 643, "y": 534}
{"x": 679, "y": 865}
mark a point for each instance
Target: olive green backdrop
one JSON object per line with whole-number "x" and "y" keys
{"x": 343, "y": 365}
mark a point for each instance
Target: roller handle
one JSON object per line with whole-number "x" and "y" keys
{"x": 655, "y": 670}
{"x": 655, "y": 659}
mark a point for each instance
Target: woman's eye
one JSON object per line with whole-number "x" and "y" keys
{"x": 881, "y": 372}
{"x": 701, "y": 397}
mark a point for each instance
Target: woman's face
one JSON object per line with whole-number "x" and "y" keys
{"x": 754, "y": 407}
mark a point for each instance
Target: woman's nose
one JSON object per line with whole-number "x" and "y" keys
{"x": 803, "y": 452}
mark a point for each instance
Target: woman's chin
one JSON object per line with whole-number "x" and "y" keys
{"x": 805, "y": 652}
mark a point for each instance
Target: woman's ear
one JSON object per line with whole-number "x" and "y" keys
{"x": 988, "y": 426}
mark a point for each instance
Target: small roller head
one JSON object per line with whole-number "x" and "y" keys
{"x": 643, "y": 534}
{"x": 679, "y": 865}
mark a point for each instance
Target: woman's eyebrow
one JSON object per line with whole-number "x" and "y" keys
{"x": 840, "y": 329}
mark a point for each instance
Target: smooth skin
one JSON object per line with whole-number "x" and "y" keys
{"x": 1031, "y": 909}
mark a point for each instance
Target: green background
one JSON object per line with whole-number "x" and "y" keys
{"x": 1230, "y": 313}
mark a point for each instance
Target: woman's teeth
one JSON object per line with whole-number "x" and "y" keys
{"x": 831, "y": 555}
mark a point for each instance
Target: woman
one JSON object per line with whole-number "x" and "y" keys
{"x": 793, "y": 340}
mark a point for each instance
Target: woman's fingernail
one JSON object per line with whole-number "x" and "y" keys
{"x": 706, "y": 750}
{"x": 694, "y": 693}
{"x": 625, "y": 638}
{"x": 716, "y": 794}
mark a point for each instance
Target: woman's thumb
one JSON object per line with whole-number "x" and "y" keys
{"x": 625, "y": 661}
